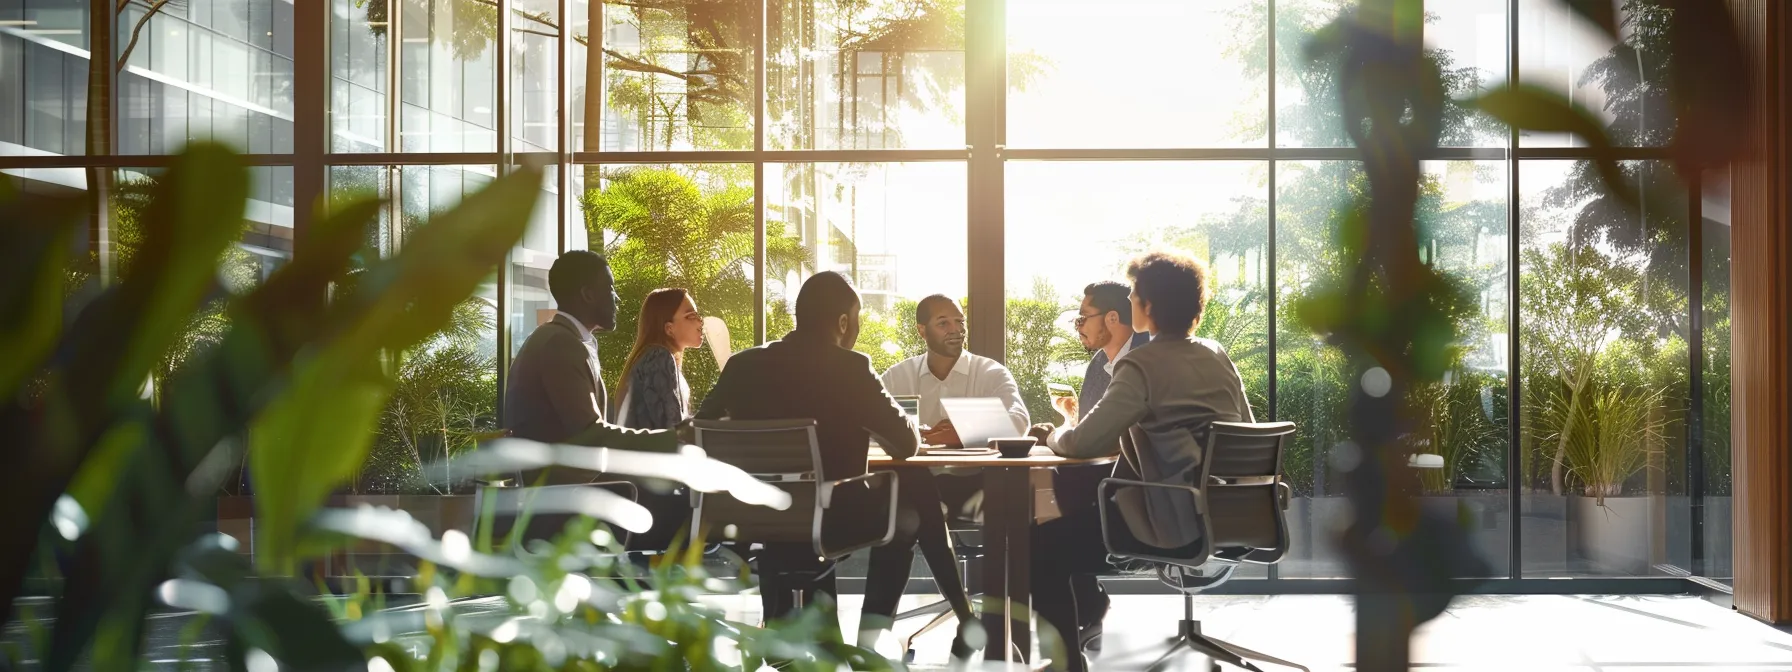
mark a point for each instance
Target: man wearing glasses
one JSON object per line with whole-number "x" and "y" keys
{"x": 1104, "y": 325}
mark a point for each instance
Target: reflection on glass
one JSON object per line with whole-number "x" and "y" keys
{"x": 1623, "y": 87}
{"x": 205, "y": 71}
{"x": 446, "y": 397}
{"x": 881, "y": 75}
{"x": 534, "y": 70}
{"x": 677, "y": 76}
{"x": 448, "y": 74}
{"x": 1468, "y": 40}
{"x": 1603, "y": 295}
{"x": 1716, "y": 467}
{"x": 264, "y": 244}
{"x": 43, "y": 87}
{"x": 896, "y": 229}
{"x": 530, "y": 303}
{"x": 1126, "y": 73}
{"x": 674, "y": 226}
{"x": 360, "y": 75}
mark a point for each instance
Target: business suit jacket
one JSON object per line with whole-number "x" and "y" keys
{"x": 809, "y": 376}
{"x": 554, "y": 395}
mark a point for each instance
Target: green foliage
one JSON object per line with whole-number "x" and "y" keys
{"x": 1610, "y": 433}
{"x": 143, "y": 473}
{"x": 666, "y": 228}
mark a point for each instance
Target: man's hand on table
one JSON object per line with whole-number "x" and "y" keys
{"x": 1041, "y": 431}
{"x": 943, "y": 434}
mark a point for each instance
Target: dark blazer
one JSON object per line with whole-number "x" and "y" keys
{"x": 808, "y": 376}
{"x": 554, "y": 395}
{"x": 1096, "y": 378}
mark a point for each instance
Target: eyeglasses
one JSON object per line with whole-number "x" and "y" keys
{"x": 1080, "y": 319}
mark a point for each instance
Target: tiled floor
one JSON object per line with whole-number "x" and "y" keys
{"x": 1566, "y": 633}
{"x": 1578, "y": 633}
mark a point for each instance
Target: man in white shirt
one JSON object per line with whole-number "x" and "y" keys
{"x": 948, "y": 371}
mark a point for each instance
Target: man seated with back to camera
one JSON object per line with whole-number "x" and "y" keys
{"x": 1174, "y": 388}
{"x": 814, "y": 373}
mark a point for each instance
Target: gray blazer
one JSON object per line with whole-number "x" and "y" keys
{"x": 554, "y": 395}
{"x": 1156, "y": 413}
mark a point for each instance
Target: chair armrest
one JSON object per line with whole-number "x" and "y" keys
{"x": 1108, "y": 484}
{"x": 1284, "y": 494}
{"x": 824, "y": 491}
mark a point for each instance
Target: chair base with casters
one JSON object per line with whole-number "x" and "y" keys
{"x": 1197, "y": 524}
{"x": 1190, "y": 639}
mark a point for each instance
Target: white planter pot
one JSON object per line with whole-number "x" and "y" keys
{"x": 1614, "y": 537}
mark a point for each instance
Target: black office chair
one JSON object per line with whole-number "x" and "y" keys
{"x": 1197, "y": 534}
{"x": 829, "y": 515}
{"x": 510, "y": 504}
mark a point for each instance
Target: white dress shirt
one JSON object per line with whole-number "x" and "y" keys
{"x": 1125, "y": 347}
{"x": 971, "y": 376}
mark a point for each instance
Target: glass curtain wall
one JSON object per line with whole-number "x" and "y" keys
{"x": 733, "y": 148}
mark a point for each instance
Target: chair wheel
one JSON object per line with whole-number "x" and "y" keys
{"x": 1213, "y": 666}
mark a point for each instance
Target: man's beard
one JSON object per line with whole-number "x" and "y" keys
{"x": 1099, "y": 340}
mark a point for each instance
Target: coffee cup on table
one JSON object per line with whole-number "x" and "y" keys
{"x": 1014, "y": 446}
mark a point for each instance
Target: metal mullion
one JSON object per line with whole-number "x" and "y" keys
{"x": 563, "y": 131}
{"x": 505, "y": 145}
{"x": 116, "y": 161}
{"x": 1269, "y": 257}
{"x": 1587, "y": 153}
{"x": 1237, "y": 154}
{"x": 1514, "y": 387}
{"x": 1695, "y": 412}
{"x": 311, "y": 133}
{"x": 759, "y": 62}
{"x": 774, "y": 156}
{"x": 984, "y": 62}
{"x": 415, "y": 159}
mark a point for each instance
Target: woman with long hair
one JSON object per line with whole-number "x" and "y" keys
{"x": 653, "y": 393}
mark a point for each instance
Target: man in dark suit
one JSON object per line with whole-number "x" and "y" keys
{"x": 555, "y": 392}
{"x": 813, "y": 373}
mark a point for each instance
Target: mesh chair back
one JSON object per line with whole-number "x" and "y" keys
{"x": 1243, "y": 489}
{"x": 762, "y": 447}
{"x": 1230, "y": 509}
{"x": 834, "y": 518}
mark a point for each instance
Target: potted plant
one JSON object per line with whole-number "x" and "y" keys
{"x": 1608, "y": 434}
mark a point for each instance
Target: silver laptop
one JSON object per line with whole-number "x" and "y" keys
{"x": 979, "y": 419}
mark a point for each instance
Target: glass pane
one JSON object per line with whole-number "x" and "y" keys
{"x": 1466, "y": 37}
{"x": 530, "y": 303}
{"x": 43, "y": 77}
{"x": 1062, "y": 239}
{"x": 677, "y": 76}
{"x": 688, "y": 226}
{"x": 360, "y": 75}
{"x": 1717, "y": 511}
{"x": 1603, "y": 298}
{"x": 448, "y": 69}
{"x": 265, "y": 243}
{"x": 878, "y": 75}
{"x": 82, "y": 281}
{"x": 896, "y": 229}
{"x": 1462, "y": 418}
{"x": 206, "y": 71}
{"x": 1624, "y": 88}
{"x": 534, "y": 71}
{"x": 1122, "y": 74}
{"x": 446, "y": 396}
